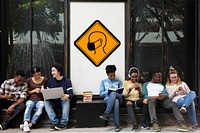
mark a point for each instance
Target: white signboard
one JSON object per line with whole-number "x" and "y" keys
{"x": 89, "y": 57}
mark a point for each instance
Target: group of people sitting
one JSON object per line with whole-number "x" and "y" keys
{"x": 175, "y": 95}
{"x": 18, "y": 94}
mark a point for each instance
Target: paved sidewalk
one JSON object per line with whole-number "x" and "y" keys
{"x": 86, "y": 130}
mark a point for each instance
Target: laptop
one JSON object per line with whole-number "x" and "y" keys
{"x": 52, "y": 93}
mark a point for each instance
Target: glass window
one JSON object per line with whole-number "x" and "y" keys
{"x": 36, "y": 35}
{"x": 157, "y": 35}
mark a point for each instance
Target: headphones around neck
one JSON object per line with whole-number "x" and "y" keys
{"x": 129, "y": 75}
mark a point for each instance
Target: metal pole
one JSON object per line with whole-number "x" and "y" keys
{"x": 31, "y": 36}
{"x": 163, "y": 38}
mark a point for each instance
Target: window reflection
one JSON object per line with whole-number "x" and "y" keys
{"x": 157, "y": 35}
{"x": 47, "y": 35}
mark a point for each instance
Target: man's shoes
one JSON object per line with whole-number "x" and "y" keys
{"x": 105, "y": 117}
{"x": 3, "y": 126}
{"x": 183, "y": 128}
{"x": 145, "y": 126}
{"x": 52, "y": 128}
{"x": 156, "y": 127}
{"x": 196, "y": 128}
{"x": 183, "y": 109}
{"x": 60, "y": 127}
{"x": 117, "y": 129}
{"x": 135, "y": 127}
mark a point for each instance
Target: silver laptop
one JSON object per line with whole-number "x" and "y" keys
{"x": 52, "y": 93}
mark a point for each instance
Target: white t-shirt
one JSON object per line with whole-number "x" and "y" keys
{"x": 154, "y": 89}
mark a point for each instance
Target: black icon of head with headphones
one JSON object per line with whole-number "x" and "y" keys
{"x": 96, "y": 40}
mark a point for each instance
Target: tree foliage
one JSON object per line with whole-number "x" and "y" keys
{"x": 45, "y": 17}
{"x": 148, "y": 12}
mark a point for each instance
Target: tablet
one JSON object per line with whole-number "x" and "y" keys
{"x": 52, "y": 93}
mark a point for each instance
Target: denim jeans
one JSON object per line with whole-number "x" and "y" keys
{"x": 18, "y": 110}
{"x": 113, "y": 102}
{"x": 30, "y": 104}
{"x": 49, "y": 107}
{"x": 166, "y": 104}
{"x": 188, "y": 101}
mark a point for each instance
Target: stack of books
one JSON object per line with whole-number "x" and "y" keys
{"x": 87, "y": 96}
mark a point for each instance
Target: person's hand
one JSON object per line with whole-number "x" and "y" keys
{"x": 37, "y": 90}
{"x": 130, "y": 89}
{"x": 10, "y": 96}
{"x": 10, "y": 110}
{"x": 161, "y": 96}
{"x": 65, "y": 97}
{"x": 137, "y": 86}
{"x": 180, "y": 91}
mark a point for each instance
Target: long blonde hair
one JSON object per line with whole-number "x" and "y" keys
{"x": 172, "y": 70}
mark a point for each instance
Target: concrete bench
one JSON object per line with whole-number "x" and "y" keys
{"x": 165, "y": 117}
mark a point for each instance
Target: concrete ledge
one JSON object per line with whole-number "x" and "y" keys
{"x": 165, "y": 117}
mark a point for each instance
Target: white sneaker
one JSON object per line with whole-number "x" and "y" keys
{"x": 26, "y": 128}
{"x": 183, "y": 109}
{"x": 22, "y": 126}
{"x": 1, "y": 127}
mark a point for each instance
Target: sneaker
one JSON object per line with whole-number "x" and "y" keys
{"x": 52, "y": 128}
{"x": 26, "y": 128}
{"x": 196, "y": 128}
{"x": 3, "y": 126}
{"x": 135, "y": 127}
{"x": 105, "y": 117}
{"x": 21, "y": 126}
{"x": 60, "y": 127}
{"x": 183, "y": 109}
{"x": 156, "y": 127}
{"x": 145, "y": 126}
{"x": 183, "y": 128}
{"x": 117, "y": 129}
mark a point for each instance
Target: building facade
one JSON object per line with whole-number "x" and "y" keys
{"x": 158, "y": 33}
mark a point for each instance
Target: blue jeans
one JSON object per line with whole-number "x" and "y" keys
{"x": 188, "y": 101}
{"x": 49, "y": 107}
{"x": 30, "y": 104}
{"x": 113, "y": 102}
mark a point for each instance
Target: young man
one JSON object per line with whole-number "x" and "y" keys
{"x": 13, "y": 92}
{"x": 157, "y": 95}
{"x": 59, "y": 80}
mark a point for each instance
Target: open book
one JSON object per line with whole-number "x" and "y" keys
{"x": 118, "y": 90}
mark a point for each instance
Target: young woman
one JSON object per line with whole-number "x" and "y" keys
{"x": 133, "y": 96}
{"x": 180, "y": 93}
{"x": 58, "y": 80}
{"x": 35, "y": 83}
{"x": 113, "y": 99}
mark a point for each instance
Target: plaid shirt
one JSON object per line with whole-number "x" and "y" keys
{"x": 9, "y": 87}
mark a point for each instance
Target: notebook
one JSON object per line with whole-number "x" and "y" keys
{"x": 52, "y": 93}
